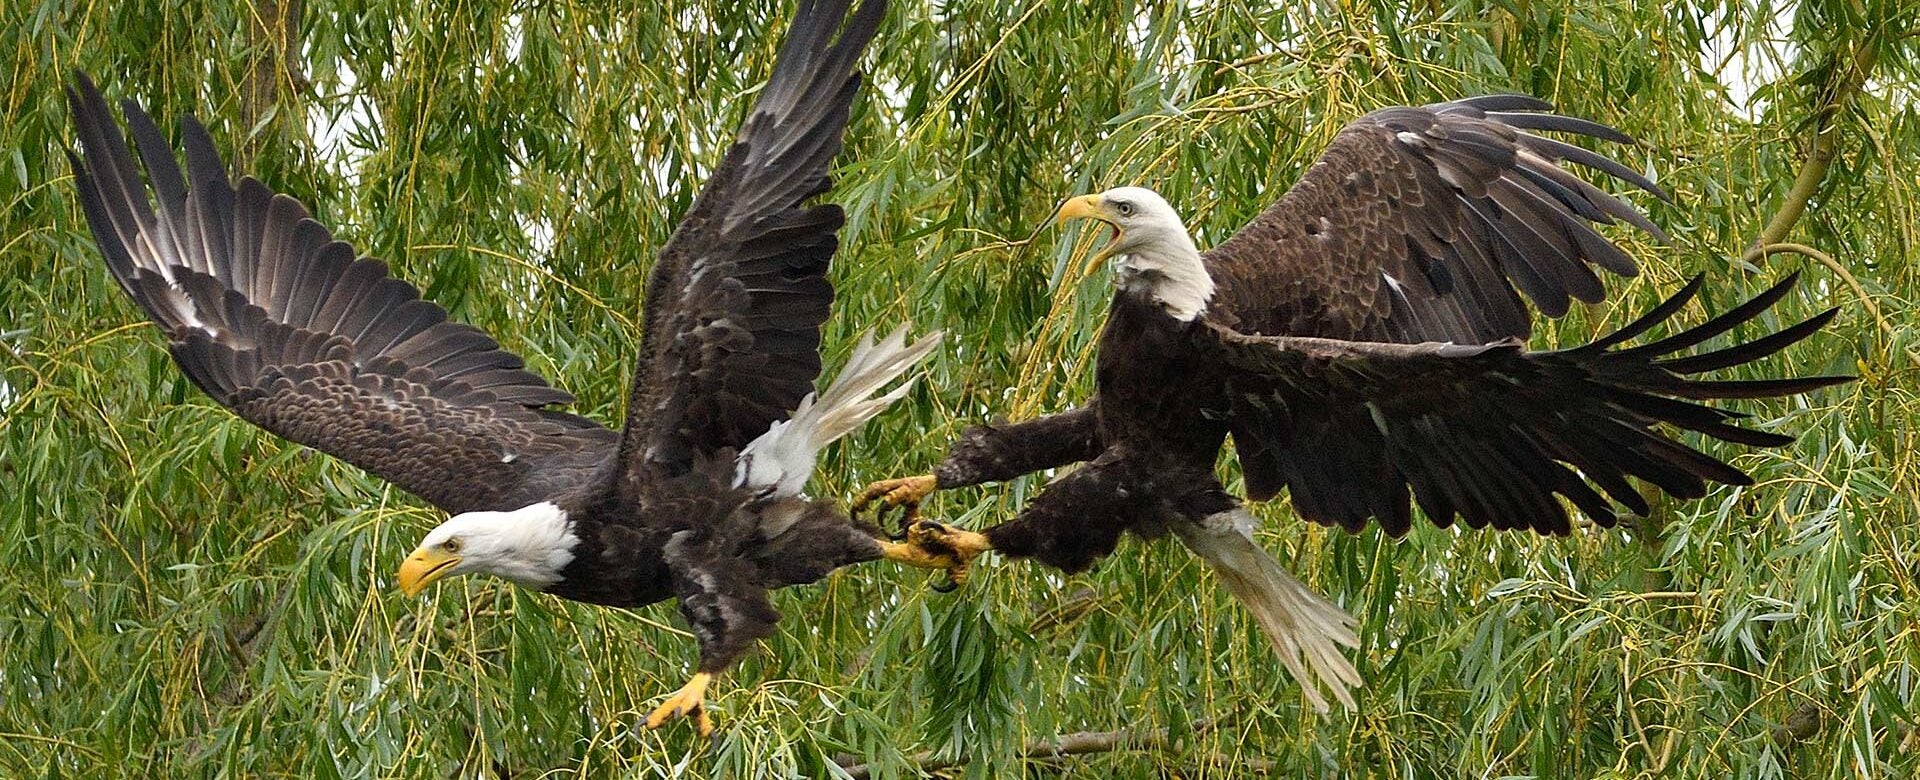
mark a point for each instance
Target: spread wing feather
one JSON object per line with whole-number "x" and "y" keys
{"x": 1418, "y": 224}
{"x": 736, "y": 300}
{"x": 285, "y": 326}
{"x": 1493, "y": 433}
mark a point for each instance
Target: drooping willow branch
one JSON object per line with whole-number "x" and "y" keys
{"x": 1755, "y": 255}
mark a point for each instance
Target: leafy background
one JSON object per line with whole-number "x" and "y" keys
{"x": 183, "y": 595}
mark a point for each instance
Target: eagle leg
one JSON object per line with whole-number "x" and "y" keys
{"x": 904, "y": 493}
{"x": 690, "y": 699}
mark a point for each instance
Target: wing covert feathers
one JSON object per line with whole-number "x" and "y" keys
{"x": 1419, "y": 223}
{"x": 287, "y": 327}
{"x": 1496, "y": 435}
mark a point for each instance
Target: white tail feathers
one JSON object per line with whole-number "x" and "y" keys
{"x": 1307, "y": 630}
{"x": 782, "y": 458}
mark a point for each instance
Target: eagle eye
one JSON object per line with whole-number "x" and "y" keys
{"x": 451, "y": 545}
{"x": 1125, "y": 208}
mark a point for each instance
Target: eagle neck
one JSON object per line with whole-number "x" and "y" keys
{"x": 1170, "y": 274}
{"x": 539, "y": 541}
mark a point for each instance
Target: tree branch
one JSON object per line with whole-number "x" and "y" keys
{"x": 1078, "y": 743}
{"x": 1825, "y": 147}
{"x": 1805, "y": 186}
{"x": 273, "y": 36}
{"x": 1758, "y": 253}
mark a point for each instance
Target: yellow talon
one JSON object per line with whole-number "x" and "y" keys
{"x": 913, "y": 555}
{"x": 690, "y": 699}
{"x": 905, "y": 493}
{"x": 932, "y": 545}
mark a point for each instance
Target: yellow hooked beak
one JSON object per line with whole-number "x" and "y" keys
{"x": 1090, "y": 207}
{"x": 1083, "y": 207}
{"x": 425, "y": 567}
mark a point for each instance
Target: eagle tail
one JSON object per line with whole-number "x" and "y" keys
{"x": 782, "y": 458}
{"x": 1307, "y": 630}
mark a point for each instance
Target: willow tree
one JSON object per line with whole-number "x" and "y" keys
{"x": 184, "y": 595}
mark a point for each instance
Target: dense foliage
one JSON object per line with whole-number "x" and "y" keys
{"x": 183, "y": 595}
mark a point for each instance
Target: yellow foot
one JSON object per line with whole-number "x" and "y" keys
{"x": 905, "y": 493}
{"x": 916, "y": 556}
{"x": 934, "y": 545}
{"x": 691, "y": 698}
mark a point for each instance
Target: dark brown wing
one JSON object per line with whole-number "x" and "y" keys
{"x": 735, "y": 303}
{"x": 283, "y": 325}
{"x": 1416, "y": 224}
{"x": 1492, "y": 433}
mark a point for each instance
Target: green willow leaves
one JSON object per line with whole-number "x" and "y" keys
{"x": 182, "y": 595}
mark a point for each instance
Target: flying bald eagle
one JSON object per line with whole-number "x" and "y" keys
{"x": 1362, "y": 340}
{"x": 698, "y": 497}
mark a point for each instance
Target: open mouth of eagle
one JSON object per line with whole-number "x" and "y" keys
{"x": 1107, "y": 242}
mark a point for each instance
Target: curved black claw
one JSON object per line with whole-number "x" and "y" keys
{"x": 904, "y": 493}
{"x": 954, "y": 546}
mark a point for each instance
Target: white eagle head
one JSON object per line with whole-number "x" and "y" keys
{"x": 1152, "y": 250}
{"x": 528, "y": 546}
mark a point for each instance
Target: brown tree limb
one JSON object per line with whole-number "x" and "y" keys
{"x": 273, "y": 35}
{"x": 1076, "y": 605}
{"x": 1079, "y": 743}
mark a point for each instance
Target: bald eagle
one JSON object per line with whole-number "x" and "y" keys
{"x": 1363, "y": 340}
{"x": 697, "y": 497}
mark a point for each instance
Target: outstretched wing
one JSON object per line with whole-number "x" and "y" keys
{"x": 1416, "y": 224}
{"x": 1492, "y": 433}
{"x": 735, "y": 303}
{"x": 283, "y": 325}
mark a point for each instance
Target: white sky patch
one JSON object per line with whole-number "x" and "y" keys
{"x": 333, "y": 124}
{"x": 693, "y": 17}
{"x": 539, "y": 234}
{"x": 1140, "y": 27}
{"x": 7, "y": 396}
{"x": 513, "y": 29}
{"x": 889, "y": 89}
{"x": 1743, "y": 67}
